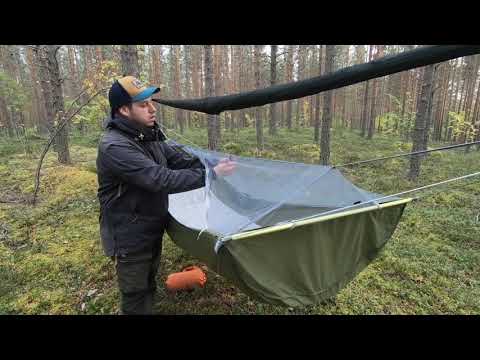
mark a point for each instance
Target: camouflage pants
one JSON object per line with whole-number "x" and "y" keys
{"x": 136, "y": 280}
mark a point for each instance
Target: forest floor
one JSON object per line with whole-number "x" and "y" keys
{"x": 51, "y": 260}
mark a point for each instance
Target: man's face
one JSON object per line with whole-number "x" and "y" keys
{"x": 142, "y": 112}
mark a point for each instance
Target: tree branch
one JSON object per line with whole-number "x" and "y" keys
{"x": 76, "y": 99}
{"x": 50, "y": 141}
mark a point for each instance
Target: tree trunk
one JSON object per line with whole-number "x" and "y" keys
{"x": 217, "y": 82}
{"x": 476, "y": 116}
{"x": 448, "y": 131}
{"x": 375, "y": 96}
{"x": 464, "y": 81}
{"x": 175, "y": 83}
{"x": 47, "y": 92}
{"x": 317, "y": 102}
{"x": 365, "y": 100}
{"x": 345, "y": 120}
{"x": 371, "y": 118}
{"x": 233, "y": 82}
{"x": 470, "y": 105}
{"x": 258, "y": 109}
{"x": 242, "y": 81}
{"x": 327, "y": 110}
{"x": 471, "y": 73}
{"x": 226, "y": 83}
{"x": 74, "y": 80}
{"x": 129, "y": 58}
{"x": 5, "y": 117}
{"x": 428, "y": 120}
{"x": 359, "y": 59}
{"x": 289, "y": 78}
{"x": 156, "y": 76}
{"x": 457, "y": 88}
{"x": 420, "y": 122}
{"x": 40, "y": 117}
{"x": 7, "y": 60}
{"x": 53, "y": 96}
{"x": 301, "y": 61}
{"x": 210, "y": 91}
{"x": 441, "y": 95}
{"x": 273, "y": 80}
{"x": 187, "y": 85}
{"x": 444, "y": 110}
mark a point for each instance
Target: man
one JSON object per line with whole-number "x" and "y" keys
{"x": 137, "y": 171}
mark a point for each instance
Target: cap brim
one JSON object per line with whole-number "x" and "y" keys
{"x": 145, "y": 94}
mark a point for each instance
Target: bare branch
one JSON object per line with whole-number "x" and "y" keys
{"x": 75, "y": 100}
{"x": 50, "y": 141}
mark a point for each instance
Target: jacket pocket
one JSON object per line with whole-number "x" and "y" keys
{"x": 140, "y": 233}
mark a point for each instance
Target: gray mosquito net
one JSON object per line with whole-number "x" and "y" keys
{"x": 262, "y": 193}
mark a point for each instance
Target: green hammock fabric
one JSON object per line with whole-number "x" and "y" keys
{"x": 301, "y": 265}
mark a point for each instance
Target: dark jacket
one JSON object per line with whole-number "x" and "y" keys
{"x": 136, "y": 172}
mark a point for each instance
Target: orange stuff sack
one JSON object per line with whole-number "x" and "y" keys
{"x": 190, "y": 278}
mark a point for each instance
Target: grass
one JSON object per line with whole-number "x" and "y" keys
{"x": 51, "y": 261}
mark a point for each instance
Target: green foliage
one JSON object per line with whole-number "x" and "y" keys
{"x": 460, "y": 127}
{"x": 93, "y": 114}
{"x": 308, "y": 153}
{"x": 395, "y": 101}
{"x": 393, "y": 123}
{"x": 16, "y": 97}
{"x": 389, "y": 122}
{"x": 233, "y": 148}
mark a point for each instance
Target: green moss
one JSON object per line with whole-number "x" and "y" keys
{"x": 51, "y": 261}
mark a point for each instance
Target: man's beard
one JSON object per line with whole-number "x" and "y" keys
{"x": 141, "y": 123}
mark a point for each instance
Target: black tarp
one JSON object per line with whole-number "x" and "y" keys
{"x": 348, "y": 76}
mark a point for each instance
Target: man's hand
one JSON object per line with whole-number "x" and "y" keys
{"x": 225, "y": 167}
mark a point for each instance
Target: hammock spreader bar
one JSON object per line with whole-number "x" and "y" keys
{"x": 347, "y": 76}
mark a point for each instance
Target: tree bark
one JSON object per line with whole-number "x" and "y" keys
{"x": 317, "y": 102}
{"x": 210, "y": 91}
{"x": 129, "y": 58}
{"x": 327, "y": 110}
{"x": 420, "y": 122}
{"x": 187, "y": 85}
{"x": 273, "y": 80}
{"x": 360, "y": 59}
{"x": 428, "y": 120}
{"x": 375, "y": 95}
{"x": 365, "y": 100}
{"x": 452, "y": 93}
{"x": 5, "y": 117}
{"x": 471, "y": 74}
{"x": 242, "y": 81}
{"x": 289, "y": 78}
{"x": 175, "y": 73}
{"x": 53, "y": 96}
{"x": 258, "y": 109}
{"x": 217, "y": 82}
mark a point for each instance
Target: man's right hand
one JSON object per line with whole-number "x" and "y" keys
{"x": 225, "y": 167}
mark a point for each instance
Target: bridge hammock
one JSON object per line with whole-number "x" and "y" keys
{"x": 287, "y": 233}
